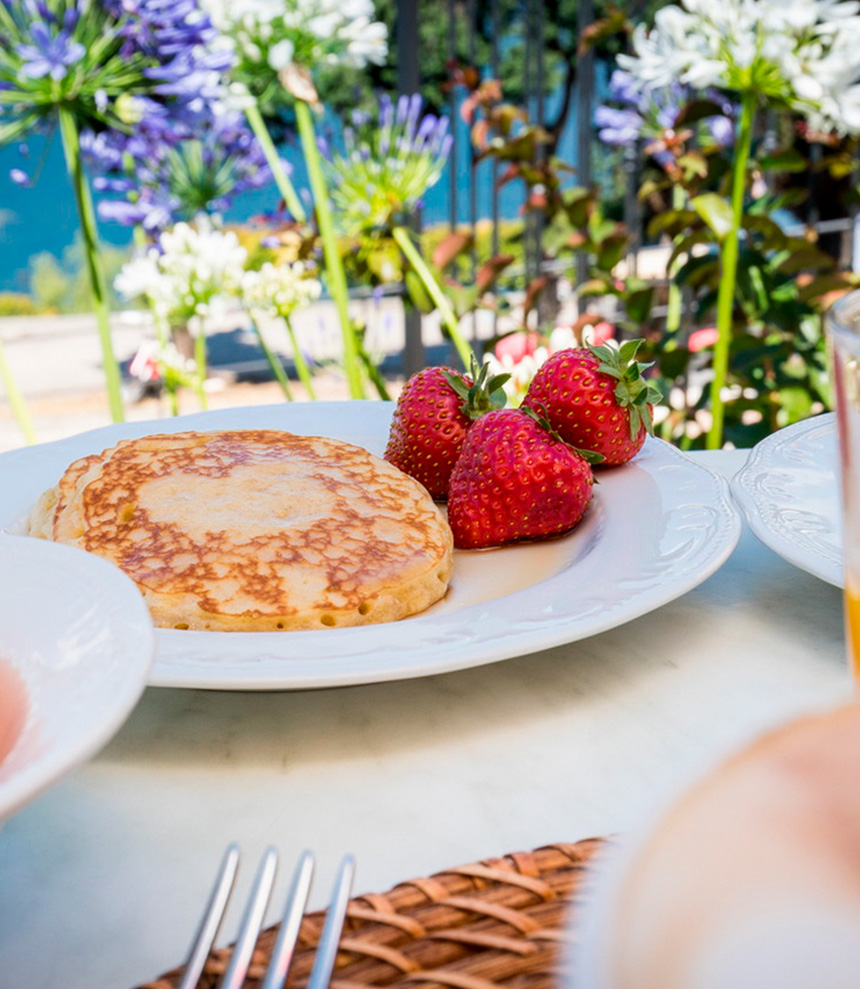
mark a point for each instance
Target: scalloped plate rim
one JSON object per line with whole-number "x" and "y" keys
{"x": 764, "y": 457}
{"x": 444, "y": 647}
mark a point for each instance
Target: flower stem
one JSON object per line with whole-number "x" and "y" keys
{"x": 449, "y": 319}
{"x": 275, "y": 364}
{"x": 200, "y": 359}
{"x": 95, "y": 266}
{"x": 16, "y": 401}
{"x": 282, "y": 180}
{"x": 304, "y": 372}
{"x": 334, "y": 264}
{"x": 729, "y": 257}
{"x": 674, "y": 309}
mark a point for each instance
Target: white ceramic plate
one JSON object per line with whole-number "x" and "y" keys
{"x": 76, "y": 644}
{"x": 657, "y": 528}
{"x": 789, "y": 491}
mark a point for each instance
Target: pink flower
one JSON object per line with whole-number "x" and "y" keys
{"x": 601, "y": 332}
{"x": 700, "y": 339}
{"x": 517, "y": 346}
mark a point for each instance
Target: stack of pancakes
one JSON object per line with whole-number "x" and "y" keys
{"x": 255, "y": 530}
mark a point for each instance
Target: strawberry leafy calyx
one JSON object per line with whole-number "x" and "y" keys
{"x": 485, "y": 395}
{"x": 632, "y": 391}
{"x": 589, "y": 456}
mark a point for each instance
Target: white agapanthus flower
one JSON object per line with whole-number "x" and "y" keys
{"x": 274, "y": 33}
{"x": 278, "y": 290}
{"x": 805, "y": 53}
{"x": 191, "y": 272}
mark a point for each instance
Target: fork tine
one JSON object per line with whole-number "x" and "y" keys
{"x": 252, "y": 921}
{"x": 211, "y": 919}
{"x": 330, "y": 938}
{"x": 282, "y": 953}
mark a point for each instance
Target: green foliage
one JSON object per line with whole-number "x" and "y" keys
{"x": 62, "y": 284}
{"x": 18, "y": 304}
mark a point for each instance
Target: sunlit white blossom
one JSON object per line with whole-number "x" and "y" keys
{"x": 803, "y": 53}
{"x": 270, "y": 34}
{"x": 280, "y": 289}
{"x": 191, "y": 272}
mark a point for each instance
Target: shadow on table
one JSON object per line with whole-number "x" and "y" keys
{"x": 664, "y": 658}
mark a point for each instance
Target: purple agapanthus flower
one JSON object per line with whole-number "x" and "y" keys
{"x": 616, "y": 126}
{"x": 49, "y": 54}
{"x": 647, "y": 114}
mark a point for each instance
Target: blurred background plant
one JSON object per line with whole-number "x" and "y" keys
{"x": 697, "y": 223}
{"x": 80, "y": 68}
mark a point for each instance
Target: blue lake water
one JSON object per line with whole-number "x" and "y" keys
{"x": 43, "y": 218}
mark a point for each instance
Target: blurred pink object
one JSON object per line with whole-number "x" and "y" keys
{"x": 601, "y": 332}
{"x": 699, "y": 339}
{"x": 517, "y": 346}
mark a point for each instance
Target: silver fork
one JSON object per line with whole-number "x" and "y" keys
{"x": 252, "y": 922}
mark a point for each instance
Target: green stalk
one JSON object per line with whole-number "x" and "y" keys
{"x": 729, "y": 258}
{"x": 282, "y": 180}
{"x": 449, "y": 319}
{"x": 200, "y": 361}
{"x": 674, "y": 306}
{"x": 162, "y": 334}
{"x": 334, "y": 265}
{"x": 373, "y": 373}
{"x": 304, "y": 372}
{"x": 276, "y": 366}
{"x": 95, "y": 266}
{"x": 16, "y": 400}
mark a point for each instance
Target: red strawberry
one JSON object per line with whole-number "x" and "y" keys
{"x": 433, "y": 414}
{"x": 597, "y": 399}
{"x": 515, "y": 479}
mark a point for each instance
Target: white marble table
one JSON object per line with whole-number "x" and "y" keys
{"x": 103, "y": 877}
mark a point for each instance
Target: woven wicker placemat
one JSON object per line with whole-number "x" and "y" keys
{"x": 502, "y": 922}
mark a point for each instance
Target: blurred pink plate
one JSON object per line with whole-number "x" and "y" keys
{"x": 76, "y": 645}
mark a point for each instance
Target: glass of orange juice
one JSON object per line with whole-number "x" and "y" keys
{"x": 843, "y": 330}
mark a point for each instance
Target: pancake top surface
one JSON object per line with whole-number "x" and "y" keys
{"x": 255, "y": 523}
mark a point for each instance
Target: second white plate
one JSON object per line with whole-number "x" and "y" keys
{"x": 789, "y": 491}
{"x": 657, "y": 528}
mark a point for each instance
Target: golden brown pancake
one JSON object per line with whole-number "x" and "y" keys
{"x": 255, "y": 530}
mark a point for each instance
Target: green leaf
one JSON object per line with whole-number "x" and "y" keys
{"x": 716, "y": 212}
{"x": 612, "y": 250}
{"x": 417, "y": 293}
{"x": 638, "y": 304}
{"x": 695, "y": 165}
{"x": 788, "y": 160}
{"x": 595, "y": 286}
{"x": 804, "y": 257}
{"x": 795, "y": 404}
{"x": 629, "y": 349}
{"x": 697, "y": 110}
{"x": 684, "y": 245}
{"x": 674, "y": 363}
{"x": 673, "y": 221}
{"x": 774, "y": 238}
